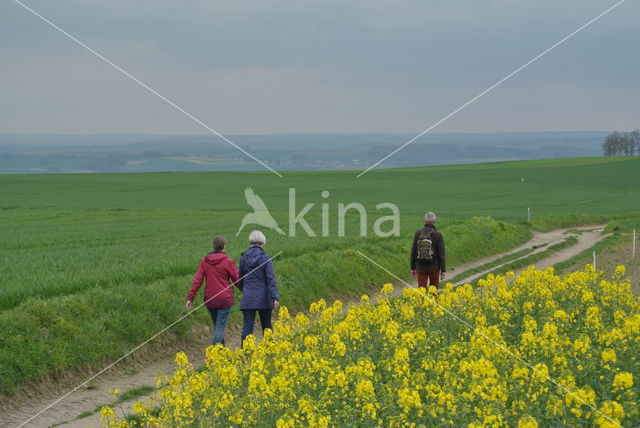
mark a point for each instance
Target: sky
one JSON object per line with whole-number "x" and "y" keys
{"x": 331, "y": 66}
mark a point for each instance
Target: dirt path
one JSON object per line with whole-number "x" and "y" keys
{"x": 97, "y": 394}
{"x": 587, "y": 237}
{"x": 87, "y": 398}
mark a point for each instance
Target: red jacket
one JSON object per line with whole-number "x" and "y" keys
{"x": 218, "y": 269}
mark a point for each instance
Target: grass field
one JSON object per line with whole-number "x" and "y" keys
{"x": 93, "y": 264}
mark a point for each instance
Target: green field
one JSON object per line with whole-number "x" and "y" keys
{"x": 93, "y": 264}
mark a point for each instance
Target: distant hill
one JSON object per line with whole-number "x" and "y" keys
{"x": 60, "y": 153}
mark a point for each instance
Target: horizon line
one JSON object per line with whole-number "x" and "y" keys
{"x": 295, "y": 133}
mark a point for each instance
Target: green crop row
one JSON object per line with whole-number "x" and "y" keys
{"x": 87, "y": 328}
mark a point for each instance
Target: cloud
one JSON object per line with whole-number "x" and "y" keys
{"x": 302, "y": 66}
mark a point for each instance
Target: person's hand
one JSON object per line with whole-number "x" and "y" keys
{"x": 188, "y": 304}
{"x": 276, "y": 304}
{"x": 413, "y": 273}
{"x": 443, "y": 275}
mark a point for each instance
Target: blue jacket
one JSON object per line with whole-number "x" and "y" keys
{"x": 259, "y": 287}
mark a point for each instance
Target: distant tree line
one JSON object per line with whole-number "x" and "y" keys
{"x": 622, "y": 143}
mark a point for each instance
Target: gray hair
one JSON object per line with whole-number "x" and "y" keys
{"x": 257, "y": 238}
{"x": 430, "y": 217}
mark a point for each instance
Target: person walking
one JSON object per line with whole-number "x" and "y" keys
{"x": 259, "y": 287}
{"x": 428, "y": 254}
{"x": 220, "y": 273}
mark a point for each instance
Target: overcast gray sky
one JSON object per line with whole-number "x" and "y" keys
{"x": 318, "y": 66}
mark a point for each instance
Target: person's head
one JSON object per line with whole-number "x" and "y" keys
{"x": 430, "y": 218}
{"x": 219, "y": 242}
{"x": 257, "y": 238}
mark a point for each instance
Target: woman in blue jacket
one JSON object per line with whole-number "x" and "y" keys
{"x": 258, "y": 284}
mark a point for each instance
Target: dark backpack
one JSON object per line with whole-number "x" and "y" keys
{"x": 424, "y": 246}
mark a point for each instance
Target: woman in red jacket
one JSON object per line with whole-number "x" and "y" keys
{"x": 220, "y": 273}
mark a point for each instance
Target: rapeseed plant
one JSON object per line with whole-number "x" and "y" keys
{"x": 542, "y": 350}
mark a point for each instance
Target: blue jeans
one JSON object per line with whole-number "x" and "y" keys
{"x": 219, "y": 316}
{"x": 249, "y": 316}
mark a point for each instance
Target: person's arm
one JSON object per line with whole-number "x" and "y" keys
{"x": 272, "y": 285}
{"x": 412, "y": 258}
{"x": 233, "y": 274}
{"x": 442, "y": 258}
{"x": 196, "y": 284}
{"x": 242, "y": 273}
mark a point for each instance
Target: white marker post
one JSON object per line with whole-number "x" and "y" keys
{"x": 529, "y": 213}
{"x": 594, "y": 259}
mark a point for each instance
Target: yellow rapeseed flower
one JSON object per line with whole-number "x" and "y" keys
{"x": 408, "y": 361}
{"x": 623, "y": 380}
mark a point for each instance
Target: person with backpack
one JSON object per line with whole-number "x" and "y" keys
{"x": 428, "y": 254}
{"x": 221, "y": 274}
{"x": 259, "y": 287}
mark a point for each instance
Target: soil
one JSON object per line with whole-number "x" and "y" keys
{"x": 618, "y": 252}
{"x": 24, "y": 406}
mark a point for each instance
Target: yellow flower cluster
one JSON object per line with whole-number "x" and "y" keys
{"x": 527, "y": 350}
